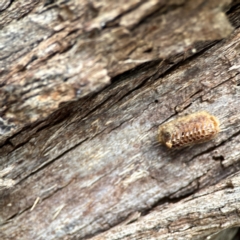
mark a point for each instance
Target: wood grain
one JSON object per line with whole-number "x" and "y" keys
{"x": 84, "y": 87}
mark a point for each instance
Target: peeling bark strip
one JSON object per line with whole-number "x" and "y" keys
{"x": 67, "y": 51}
{"x": 84, "y": 87}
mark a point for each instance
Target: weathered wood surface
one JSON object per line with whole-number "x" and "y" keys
{"x": 84, "y": 87}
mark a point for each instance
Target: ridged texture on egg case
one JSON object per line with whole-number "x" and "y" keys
{"x": 189, "y": 130}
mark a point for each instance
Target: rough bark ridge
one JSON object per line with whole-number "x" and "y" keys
{"x": 84, "y": 86}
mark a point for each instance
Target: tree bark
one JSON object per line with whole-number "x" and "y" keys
{"x": 84, "y": 87}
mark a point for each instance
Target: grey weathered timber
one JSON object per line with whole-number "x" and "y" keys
{"x": 84, "y": 86}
